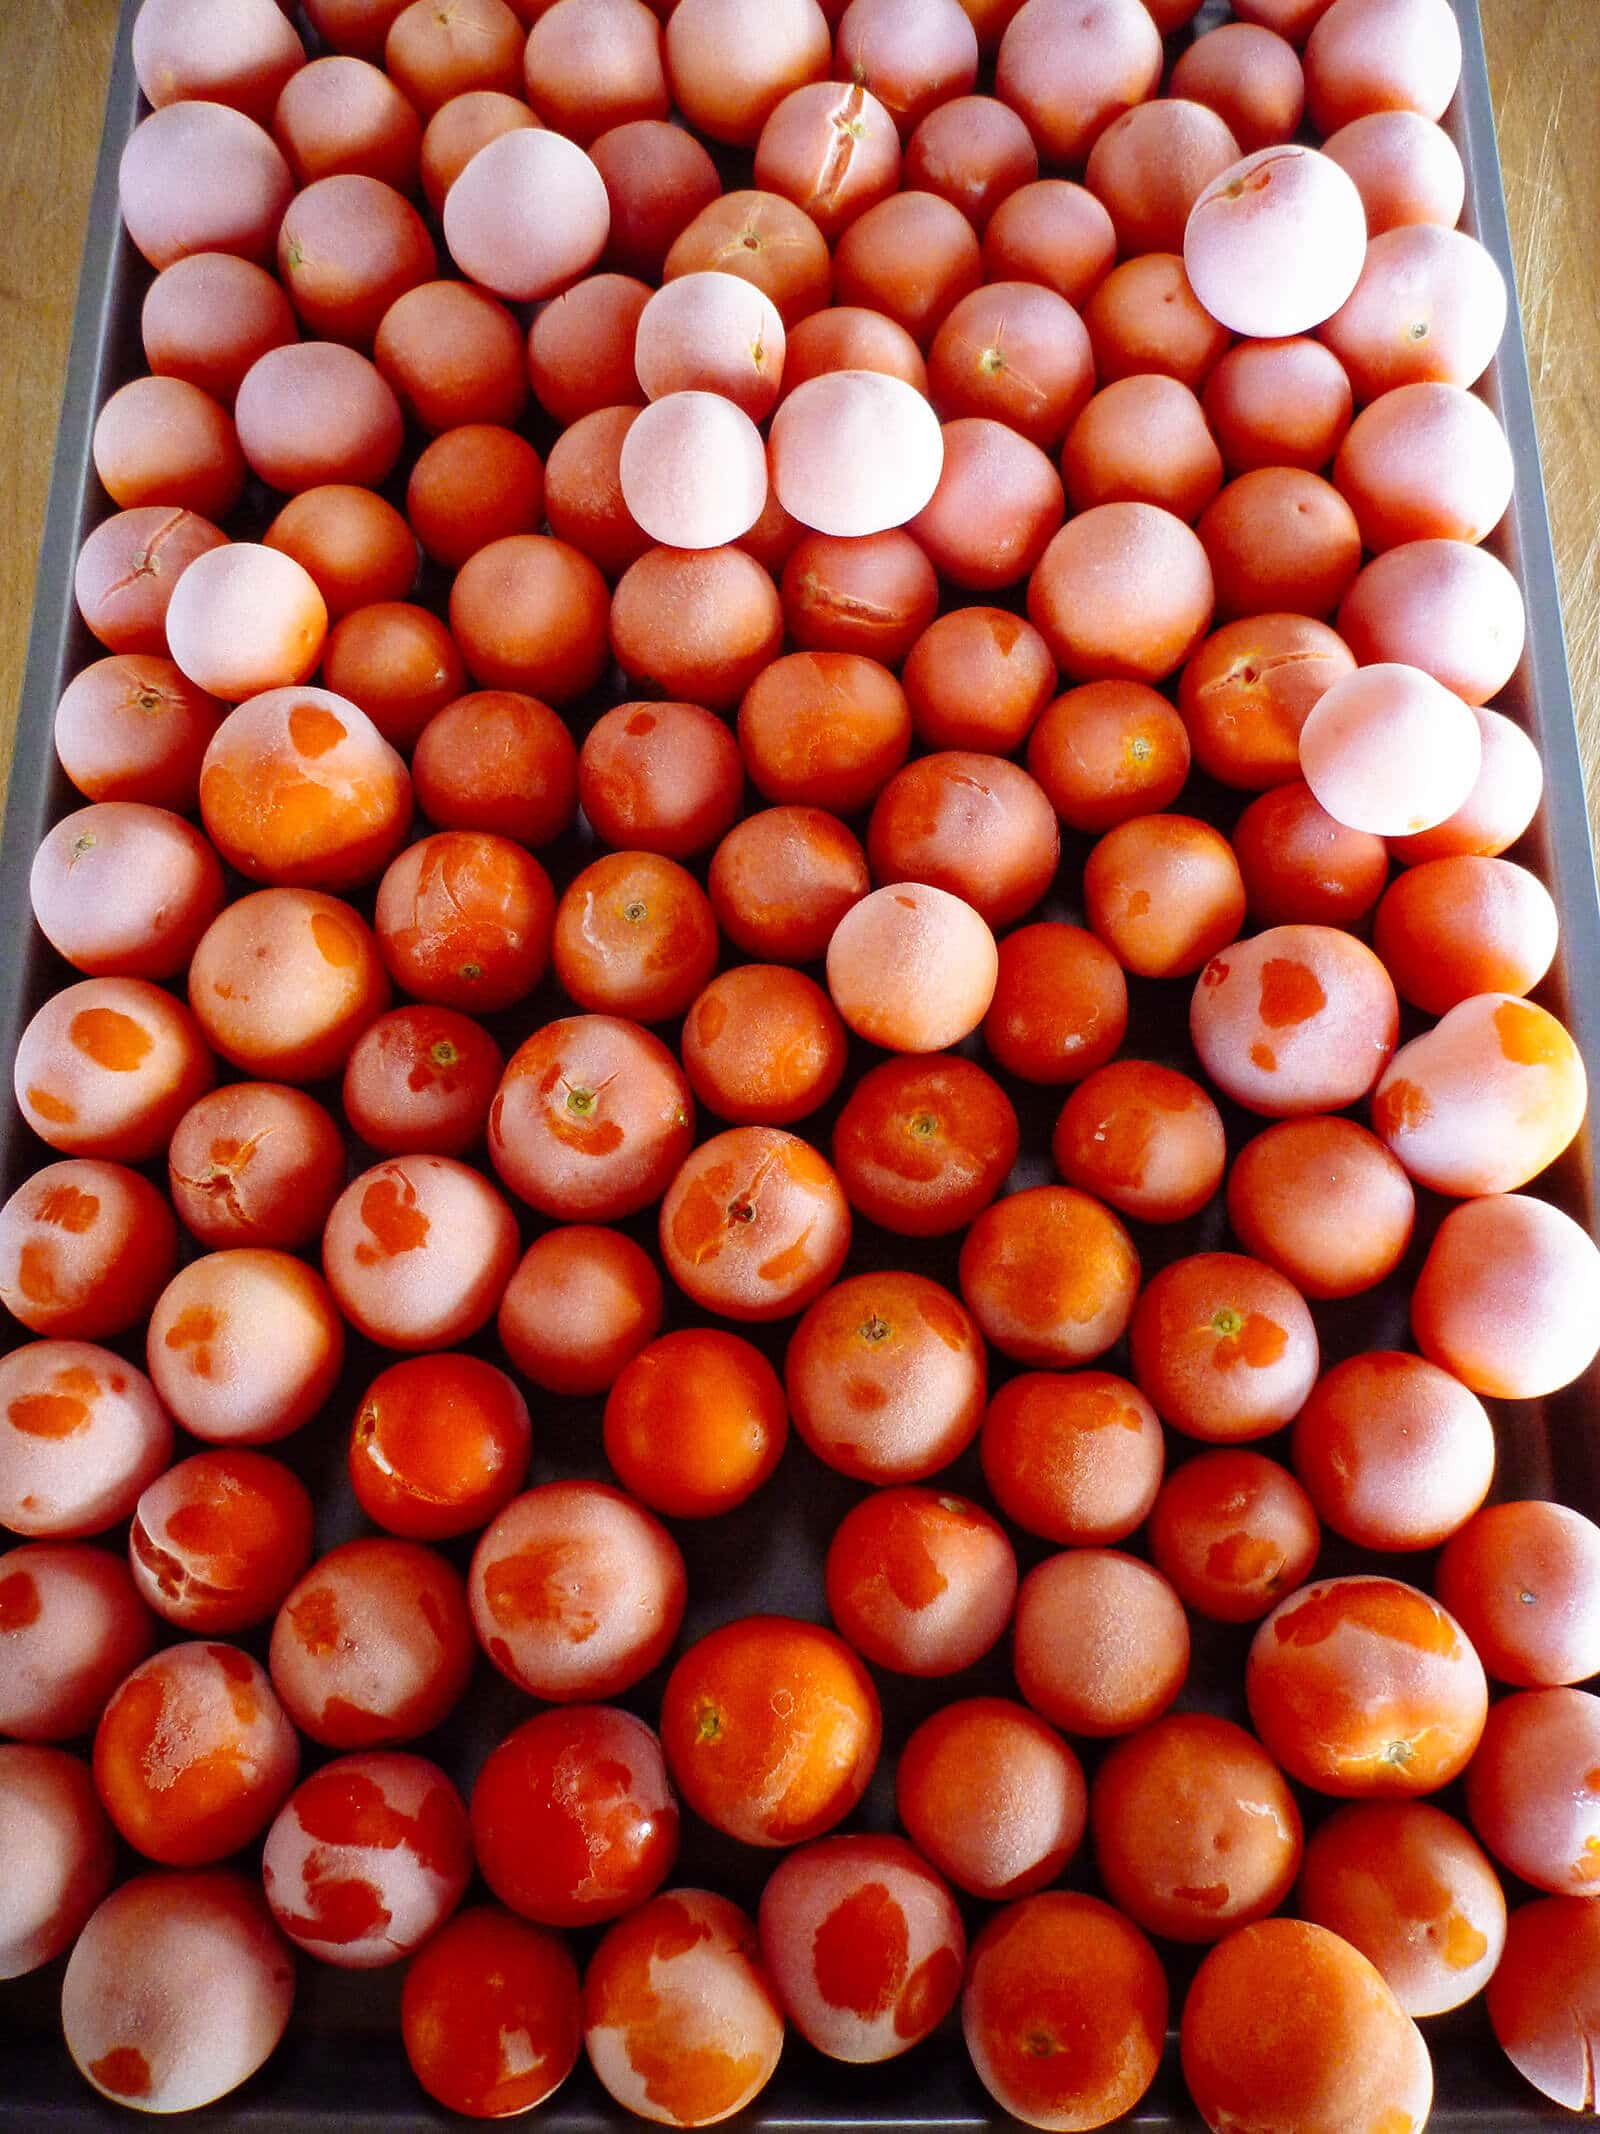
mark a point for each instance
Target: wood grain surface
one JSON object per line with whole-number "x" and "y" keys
{"x": 1544, "y": 60}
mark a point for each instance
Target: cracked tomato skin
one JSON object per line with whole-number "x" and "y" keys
{"x": 1533, "y": 1788}
{"x": 771, "y": 1729}
{"x": 438, "y": 1446}
{"x": 1065, "y": 2011}
{"x": 418, "y": 1251}
{"x": 1363, "y": 1686}
{"x": 696, "y": 1423}
{"x": 755, "y": 1225}
{"x": 1224, "y": 1347}
{"x": 864, "y": 1945}
{"x": 178, "y": 1989}
{"x": 1544, "y": 1998}
{"x": 576, "y": 1591}
{"x": 592, "y": 1119}
{"x": 680, "y": 2019}
{"x": 194, "y": 1754}
{"x": 489, "y": 2014}
{"x": 256, "y": 1163}
{"x": 464, "y": 920}
{"x": 218, "y": 1540}
{"x": 1286, "y": 2025}
{"x": 366, "y": 1858}
{"x": 374, "y": 1645}
{"x": 1195, "y": 1829}
{"x": 573, "y": 1818}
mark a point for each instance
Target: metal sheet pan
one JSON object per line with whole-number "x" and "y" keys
{"x": 341, "y": 2066}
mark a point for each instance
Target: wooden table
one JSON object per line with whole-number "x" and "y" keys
{"x": 1544, "y": 58}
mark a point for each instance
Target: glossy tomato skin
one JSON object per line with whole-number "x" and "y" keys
{"x": 438, "y": 1445}
{"x": 771, "y": 1729}
{"x": 489, "y": 2014}
{"x": 696, "y": 1422}
{"x": 923, "y": 1145}
{"x": 573, "y": 1818}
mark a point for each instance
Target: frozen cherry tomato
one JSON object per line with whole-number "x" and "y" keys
{"x": 863, "y": 1944}
{"x": 763, "y": 1045}
{"x": 992, "y": 1796}
{"x": 1065, "y": 2010}
{"x": 576, "y": 1591}
{"x": 1542, "y": 1997}
{"x": 367, "y": 1858}
{"x": 194, "y": 1754}
{"x": 109, "y": 1066}
{"x": 1050, "y": 1276}
{"x": 418, "y": 1251}
{"x": 58, "y": 1851}
{"x": 1143, "y": 1138}
{"x": 696, "y": 1422}
{"x": 245, "y": 1345}
{"x": 1073, "y": 1456}
{"x": 217, "y": 1541}
{"x": 886, "y": 1377}
{"x": 374, "y": 1644}
{"x": 634, "y": 935}
{"x": 464, "y": 919}
{"x": 1195, "y": 1829}
{"x": 285, "y": 981}
{"x": 1234, "y": 1532}
{"x": 81, "y": 1434}
{"x": 1324, "y": 1202}
{"x": 1224, "y": 1346}
{"x": 1363, "y": 1686}
{"x": 573, "y": 1818}
{"x": 1060, "y": 1006}
{"x": 1521, "y": 1579}
{"x": 489, "y": 2014}
{"x": 679, "y": 2018}
{"x": 782, "y": 879}
{"x": 122, "y": 890}
{"x": 439, "y": 1444}
{"x": 771, "y": 1729}
{"x": 1296, "y": 1019}
{"x": 920, "y": 1583}
{"x": 1287, "y": 2019}
{"x": 1412, "y": 1890}
{"x": 582, "y": 1303}
{"x": 72, "y": 1625}
{"x": 85, "y": 1249}
{"x": 420, "y": 1081}
{"x": 923, "y": 1145}
{"x": 1394, "y": 1453}
{"x": 1101, "y": 1643}
{"x": 179, "y": 1987}
{"x": 1528, "y": 1791}
{"x": 754, "y": 1225}
{"x": 256, "y": 1163}
{"x": 592, "y": 1119}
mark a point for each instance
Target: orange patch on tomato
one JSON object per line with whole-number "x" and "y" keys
{"x": 111, "y": 1039}
{"x": 1291, "y": 993}
{"x": 860, "y": 1951}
